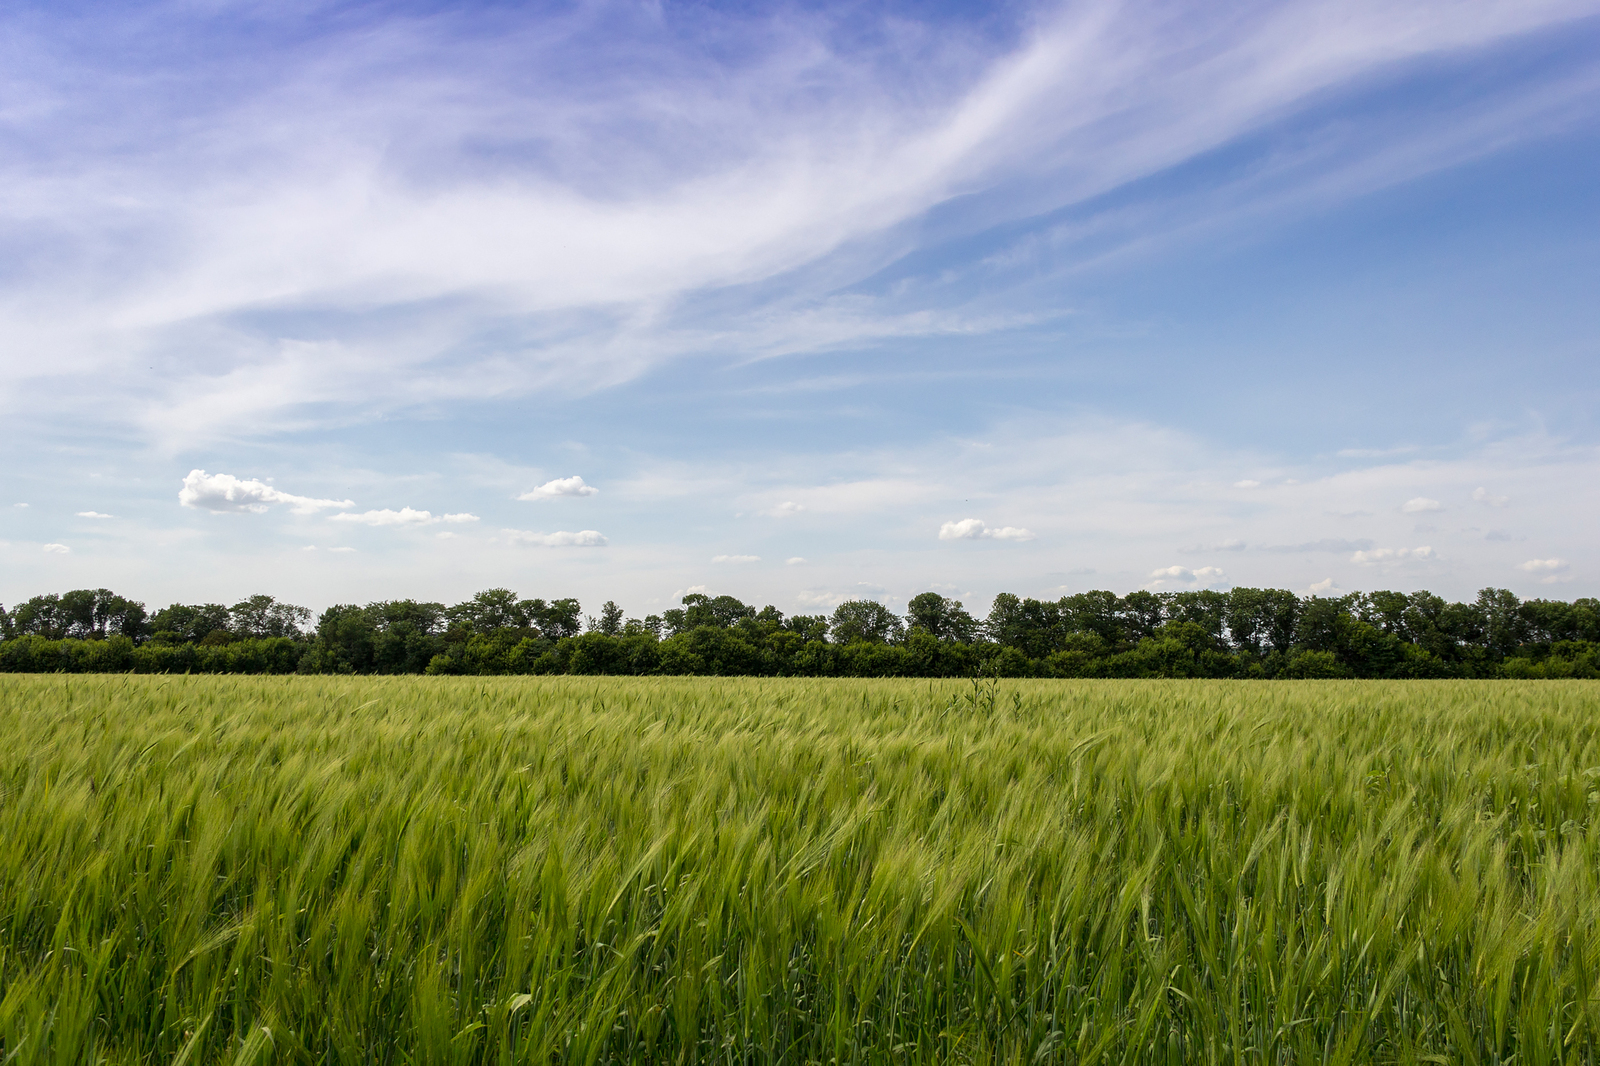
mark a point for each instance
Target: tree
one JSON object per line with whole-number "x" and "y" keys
{"x": 1206, "y": 608}
{"x": 865, "y": 620}
{"x": 941, "y": 617}
{"x": 184, "y": 624}
{"x": 811, "y": 627}
{"x": 1505, "y": 627}
{"x": 347, "y": 635}
{"x": 261, "y": 616}
{"x": 82, "y": 614}
{"x": 701, "y": 610}
{"x": 556, "y": 619}
{"x": 406, "y": 617}
{"x": 491, "y": 610}
{"x": 1324, "y": 624}
{"x": 1142, "y": 614}
{"x": 1031, "y": 626}
{"x": 610, "y": 622}
{"x": 1262, "y": 620}
{"x": 1096, "y": 612}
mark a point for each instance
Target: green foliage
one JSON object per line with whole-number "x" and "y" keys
{"x": 1243, "y": 633}
{"x": 864, "y": 620}
{"x": 943, "y": 618}
{"x": 386, "y": 870}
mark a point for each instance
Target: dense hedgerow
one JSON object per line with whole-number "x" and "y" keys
{"x": 584, "y": 871}
{"x": 1243, "y": 633}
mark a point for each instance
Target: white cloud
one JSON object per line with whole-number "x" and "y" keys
{"x": 1247, "y": 484}
{"x": 736, "y": 558}
{"x": 341, "y": 549}
{"x": 1543, "y": 566}
{"x": 224, "y": 492}
{"x": 1325, "y": 587}
{"x": 379, "y": 193}
{"x": 1418, "y": 504}
{"x": 1168, "y": 574}
{"x": 94, "y": 514}
{"x": 1481, "y": 494}
{"x": 786, "y": 509}
{"x": 796, "y": 560}
{"x": 19, "y": 505}
{"x": 585, "y": 538}
{"x": 57, "y": 549}
{"x": 561, "y": 486}
{"x": 406, "y": 516}
{"x": 974, "y": 529}
{"x": 1380, "y": 555}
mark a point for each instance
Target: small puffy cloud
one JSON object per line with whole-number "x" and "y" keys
{"x": 57, "y": 549}
{"x": 796, "y": 560}
{"x": 583, "y": 538}
{"x": 94, "y": 514}
{"x": 341, "y": 549}
{"x": 1543, "y": 566}
{"x": 692, "y": 590}
{"x": 561, "y": 486}
{"x": 1183, "y": 573}
{"x": 224, "y": 492}
{"x": 786, "y": 509}
{"x": 19, "y": 505}
{"x": 1247, "y": 483}
{"x": 736, "y": 558}
{"x": 1418, "y": 504}
{"x": 1481, "y": 494}
{"x": 1393, "y": 555}
{"x": 406, "y": 516}
{"x": 1325, "y": 587}
{"x": 975, "y": 529}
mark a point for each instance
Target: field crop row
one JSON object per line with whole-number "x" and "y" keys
{"x": 566, "y": 870}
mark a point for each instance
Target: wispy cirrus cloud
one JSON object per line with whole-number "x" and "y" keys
{"x": 559, "y": 228}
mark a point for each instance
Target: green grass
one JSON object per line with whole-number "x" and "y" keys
{"x": 565, "y": 870}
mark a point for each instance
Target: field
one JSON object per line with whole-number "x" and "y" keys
{"x": 566, "y": 870}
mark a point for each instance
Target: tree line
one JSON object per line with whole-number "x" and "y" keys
{"x": 1242, "y": 633}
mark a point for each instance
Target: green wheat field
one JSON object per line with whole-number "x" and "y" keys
{"x": 573, "y": 870}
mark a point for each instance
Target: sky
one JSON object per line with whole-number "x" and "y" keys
{"x": 798, "y": 302}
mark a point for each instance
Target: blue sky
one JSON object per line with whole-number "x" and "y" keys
{"x": 818, "y": 301}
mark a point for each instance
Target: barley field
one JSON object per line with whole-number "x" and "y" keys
{"x": 565, "y": 870}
